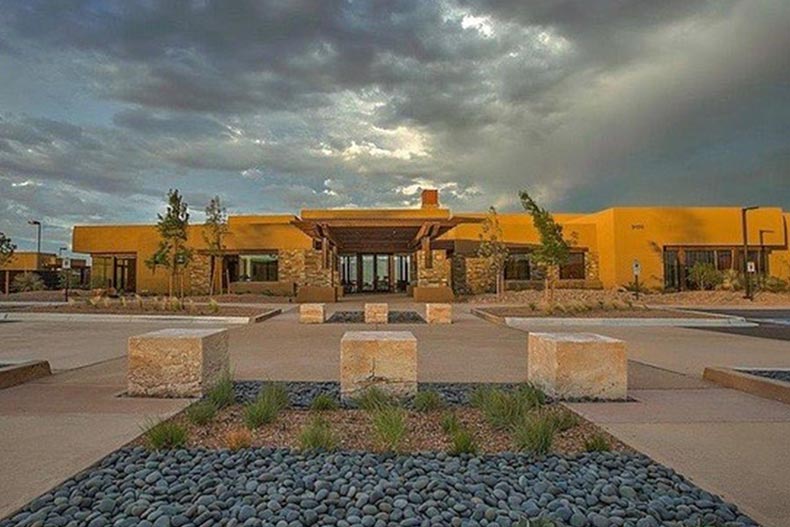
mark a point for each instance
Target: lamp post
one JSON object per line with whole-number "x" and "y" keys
{"x": 38, "y": 241}
{"x": 65, "y": 271}
{"x": 748, "y": 281}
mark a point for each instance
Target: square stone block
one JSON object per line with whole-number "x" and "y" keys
{"x": 177, "y": 362}
{"x": 578, "y": 365}
{"x": 385, "y": 359}
{"x": 376, "y": 313}
{"x": 439, "y": 313}
{"x": 312, "y": 314}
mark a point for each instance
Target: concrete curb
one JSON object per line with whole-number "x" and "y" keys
{"x": 15, "y": 373}
{"x": 729, "y": 322}
{"x": 80, "y": 317}
{"x": 751, "y": 384}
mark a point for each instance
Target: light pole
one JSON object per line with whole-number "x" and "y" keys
{"x": 38, "y": 241}
{"x": 748, "y": 282}
{"x": 65, "y": 272}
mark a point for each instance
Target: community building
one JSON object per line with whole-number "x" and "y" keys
{"x": 48, "y": 266}
{"x": 431, "y": 253}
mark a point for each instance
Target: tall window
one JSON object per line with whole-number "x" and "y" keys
{"x": 574, "y": 268}
{"x": 259, "y": 267}
{"x": 517, "y": 267}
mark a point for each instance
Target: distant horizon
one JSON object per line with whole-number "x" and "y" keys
{"x": 275, "y": 108}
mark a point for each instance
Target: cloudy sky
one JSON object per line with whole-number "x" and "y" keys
{"x": 279, "y": 105}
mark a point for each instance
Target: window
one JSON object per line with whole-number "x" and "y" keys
{"x": 671, "y": 270}
{"x": 517, "y": 267}
{"x": 723, "y": 259}
{"x": 259, "y": 267}
{"x": 574, "y": 269}
{"x": 700, "y": 255}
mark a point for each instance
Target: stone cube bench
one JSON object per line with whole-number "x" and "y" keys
{"x": 177, "y": 362}
{"x": 312, "y": 313}
{"x": 376, "y": 313}
{"x": 439, "y": 313}
{"x": 578, "y": 365}
{"x": 385, "y": 359}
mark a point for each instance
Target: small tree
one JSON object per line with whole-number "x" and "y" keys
{"x": 172, "y": 253}
{"x": 553, "y": 251}
{"x": 216, "y": 227}
{"x": 493, "y": 249}
{"x": 6, "y": 249}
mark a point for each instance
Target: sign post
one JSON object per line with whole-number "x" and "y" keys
{"x": 751, "y": 268}
{"x": 636, "y": 267}
{"x": 66, "y": 269}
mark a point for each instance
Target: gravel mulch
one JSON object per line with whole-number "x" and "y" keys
{"x": 358, "y": 317}
{"x": 278, "y": 487}
{"x": 114, "y": 307}
{"x": 777, "y": 375}
{"x": 527, "y": 312}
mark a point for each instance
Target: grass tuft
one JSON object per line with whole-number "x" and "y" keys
{"x": 164, "y": 435}
{"x": 374, "y": 399}
{"x": 201, "y": 412}
{"x": 564, "y": 420}
{"x": 323, "y": 402}
{"x": 463, "y": 442}
{"x": 428, "y": 401}
{"x": 450, "y": 423}
{"x": 222, "y": 394}
{"x": 317, "y": 435}
{"x": 277, "y": 394}
{"x": 238, "y": 439}
{"x": 534, "y": 434}
{"x": 389, "y": 425}
{"x": 503, "y": 409}
{"x": 597, "y": 443}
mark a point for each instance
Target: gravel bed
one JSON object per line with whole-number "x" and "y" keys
{"x": 777, "y": 375}
{"x": 302, "y": 393}
{"x": 277, "y": 487}
{"x": 358, "y": 317}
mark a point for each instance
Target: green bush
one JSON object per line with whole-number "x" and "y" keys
{"x": 773, "y": 284}
{"x": 450, "y": 423}
{"x": 164, "y": 435}
{"x": 201, "y": 412}
{"x": 463, "y": 442}
{"x": 597, "y": 443}
{"x": 25, "y": 282}
{"x": 428, "y": 401}
{"x": 323, "y": 402}
{"x": 389, "y": 425}
{"x": 222, "y": 394}
{"x": 277, "y": 394}
{"x": 732, "y": 280}
{"x": 260, "y": 412}
{"x": 705, "y": 276}
{"x": 317, "y": 435}
{"x": 373, "y": 399}
{"x": 534, "y": 434}
{"x": 503, "y": 409}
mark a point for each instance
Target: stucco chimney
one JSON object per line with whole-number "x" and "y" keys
{"x": 430, "y": 198}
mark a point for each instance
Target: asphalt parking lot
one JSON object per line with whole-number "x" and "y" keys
{"x": 774, "y": 323}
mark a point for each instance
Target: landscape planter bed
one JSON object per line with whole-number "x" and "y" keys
{"x": 635, "y": 312}
{"x": 767, "y": 383}
{"x": 131, "y": 309}
{"x": 358, "y": 317}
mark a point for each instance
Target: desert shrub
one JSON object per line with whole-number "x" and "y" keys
{"x": 450, "y": 423}
{"x": 428, "y": 401}
{"x": 373, "y": 399}
{"x": 213, "y": 306}
{"x": 22, "y": 283}
{"x": 773, "y": 284}
{"x": 323, "y": 402}
{"x": 238, "y": 438}
{"x": 534, "y": 434}
{"x": 533, "y": 306}
{"x": 222, "y": 394}
{"x": 462, "y": 442}
{"x": 317, "y": 435}
{"x": 201, "y": 412}
{"x": 631, "y": 287}
{"x": 389, "y": 425}
{"x": 260, "y": 412}
{"x": 732, "y": 280}
{"x": 164, "y": 435}
{"x": 704, "y": 276}
{"x": 597, "y": 443}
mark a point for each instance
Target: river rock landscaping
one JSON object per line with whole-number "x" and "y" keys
{"x": 358, "y": 317}
{"x": 777, "y": 375}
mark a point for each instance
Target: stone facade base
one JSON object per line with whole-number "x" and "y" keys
{"x": 439, "y": 313}
{"x": 312, "y": 314}
{"x": 376, "y": 313}
{"x": 578, "y": 365}
{"x": 433, "y": 294}
{"x": 385, "y": 359}
{"x": 177, "y": 362}
{"x": 316, "y": 294}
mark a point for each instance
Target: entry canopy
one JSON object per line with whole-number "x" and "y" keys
{"x": 376, "y": 231}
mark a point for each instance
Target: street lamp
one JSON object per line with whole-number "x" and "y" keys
{"x": 65, "y": 272}
{"x": 748, "y": 281}
{"x": 38, "y": 241}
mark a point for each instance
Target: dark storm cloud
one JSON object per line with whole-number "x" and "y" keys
{"x": 282, "y": 105}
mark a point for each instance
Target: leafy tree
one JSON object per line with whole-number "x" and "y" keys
{"x": 493, "y": 248}
{"x": 216, "y": 227}
{"x": 553, "y": 251}
{"x": 172, "y": 253}
{"x": 6, "y": 249}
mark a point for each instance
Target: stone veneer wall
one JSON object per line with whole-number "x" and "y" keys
{"x": 439, "y": 274}
{"x": 303, "y": 267}
{"x": 472, "y": 275}
{"x": 198, "y": 272}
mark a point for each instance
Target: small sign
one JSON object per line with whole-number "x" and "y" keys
{"x": 66, "y": 263}
{"x": 750, "y": 267}
{"x": 637, "y": 267}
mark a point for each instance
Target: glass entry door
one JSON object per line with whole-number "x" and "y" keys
{"x": 375, "y": 273}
